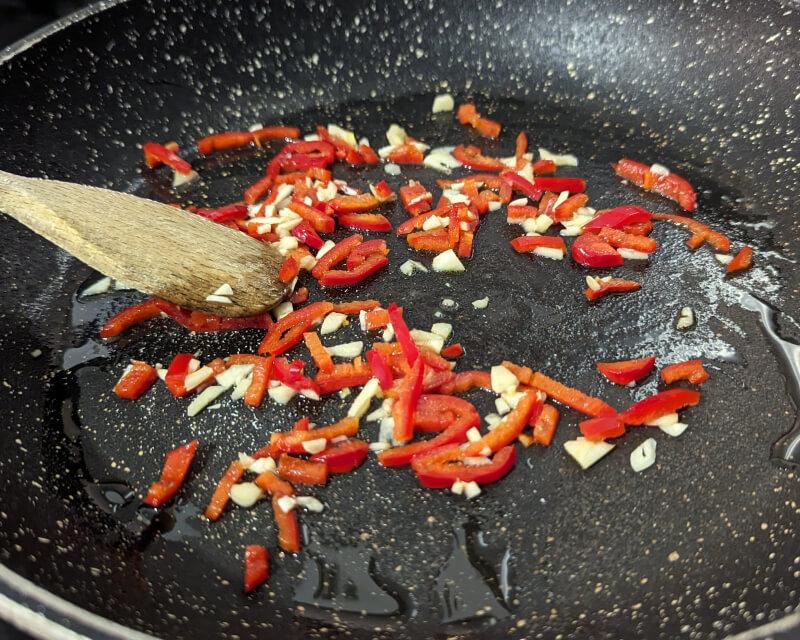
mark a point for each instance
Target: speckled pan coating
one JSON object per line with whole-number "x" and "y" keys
{"x": 701, "y": 545}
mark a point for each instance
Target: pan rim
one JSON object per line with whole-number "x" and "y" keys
{"x": 22, "y": 45}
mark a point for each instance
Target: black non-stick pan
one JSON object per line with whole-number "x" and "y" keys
{"x": 701, "y": 545}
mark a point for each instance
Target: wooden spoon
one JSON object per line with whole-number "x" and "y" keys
{"x": 155, "y": 248}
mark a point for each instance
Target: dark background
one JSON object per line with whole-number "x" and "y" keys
{"x": 20, "y": 17}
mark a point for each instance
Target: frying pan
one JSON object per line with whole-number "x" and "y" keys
{"x": 702, "y": 545}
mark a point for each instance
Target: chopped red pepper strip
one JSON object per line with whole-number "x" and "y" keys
{"x": 291, "y": 374}
{"x": 131, "y": 316}
{"x": 305, "y": 233}
{"x": 452, "y": 351}
{"x": 458, "y": 419}
{"x": 400, "y": 327}
{"x": 343, "y": 375}
{"x": 176, "y": 466}
{"x": 508, "y": 428}
{"x": 615, "y": 285}
{"x": 260, "y": 381}
{"x": 691, "y": 370}
{"x": 520, "y": 147}
{"x": 571, "y": 397}
{"x": 233, "y": 139}
{"x": 231, "y": 212}
{"x": 343, "y": 457}
{"x": 531, "y": 243}
{"x": 416, "y": 198}
{"x": 627, "y": 371}
{"x": 302, "y": 471}
{"x": 543, "y": 167}
{"x": 573, "y": 185}
{"x": 671, "y": 185}
{"x": 354, "y": 204}
{"x": 205, "y": 323}
{"x": 321, "y": 222}
{"x": 617, "y": 218}
{"x": 440, "y": 468}
{"x": 742, "y": 260}
{"x": 366, "y": 221}
{"x": 271, "y": 483}
{"x": 406, "y": 154}
{"x": 136, "y": 381}
{"x": 292, "y": 441}
{"x": 258, "y": 189}
{"x": 256, "y": 569}
{"x": 465, "y": 380}
{"x": 379, "y": 369}
{"x": 306, "y": 155}
{"x": 660, "y": 404}
{"x": 368, "y": 153}
{"x": 471, "y": 156}
{"x": 176, "y": 374}
{"x": 337, "y": 254}
{"x": 467, "y": 114}
{"x": 566, "y": 210}
{"x": 289, "y": 270}
{"x": 519, "y": 183}
{"x": 638, "y": 228}
{"x": 545, "y": 426}
{"x": 490, "y": 180}
{"x": 356, "y": 306}
{"x": 300, "y": 296}
{"x": 408, "y": 393}
{"x": 590, "y": 250}
{"x": 339, "y": 278}
{"x": 383, "y": 192}
{"x": 617, "y": 238}
{"x": 523, "y": 374}
{"x": 318, "y": 352}
{"x": 222, "y": 492}
{"x": 155, "y": 154}
{"x": 438, "y": 240}
{"x": 601, "y": 428}
{"x": 286, "y": 521}
{"x": 362, "y": 251}
{"x": 289, "y": 330}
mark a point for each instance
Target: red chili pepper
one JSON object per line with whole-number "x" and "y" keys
{"x": 176, "y": 374}
{"x": 742, "y": 260}
{"x": 362, "y": 251}
{"x": 598, "y": 429}
{"x": 627, "y": 371}
{"x": 571, "y": 397}
{"x": 366, "y": 221}
{"x": 416, "y": 221}
{"x": 406, "y": 154}
{"x": 139, "y": 379}
{"x": 516, "y": 214}
{"x": 291, "y": 374}
{"x": 520, "y": 147}
{"x": 354, "y": 204}
{"x": 379, "y": 369}
{"x": 523, "y": 374}
{"x": 545, "y": 425}
{"x": 256, "y": 568}
{"x": 519, "y": 183}
{"x": 318, "y": 352}
{"x": 289, "y": 270}
{"x": 305, "y": 233}
{"x": 205, "y": 323}
{"x": 455, "y": 424}
{"x": 257, "y": 190}
{"x": 467, "y": 114}
{"x": 466, "y": 380}
{"x": 176, "y": 466}
{"x": 126, "y": 318}
{"x": 383, "y": 192}
{"x": 660, "y": 404}
{"x": 566, "y": 210}
{"x": 306, "y": 155}
{"x": 292, "y": 441}
{"x": 638, "y": 228}
{"x": 453, "y": 351}
{"x": 299, "y": 297}
{"x": 260, "y": 381}
{"x": 155, "y": 154}
{"x": 343, "y": 457}
{"x": 288, "y": 532}
{"x": 438, "y": 240}
{"x": 302, "y": 471}
{"x": 440, "y": 468}
{"x": 436, "y": 412}
{"x": 509, "y": 427}
{"x": 691, "y": 370}
{"x": 222, "y": 492}
{"x": 289, "y": 330}
{"x": 531, "y": 243}
{"x": 233, "y": 139}
{"x": 403, "y": 334}
{"x": 336, "y": 255}
{"x": 320, "y": 221}
{"x": 416, "y": 198}
{"x": 590, "y": 250}
{"x": 356, "y": 306}
{"x": 617, "y": 218}
{"x": 339, "y": 278}
{"x": 618, "y": 238}
{"x": 471, "y": 156}
{"x": 407, "y": 395}
{"x": 343, "y": 375}
{"x": 671, "y": 185}
{"x": 543, "y": 167}
{"x": 368, "y": 153}
{"x": 573, "y": 185}
{"x": 615, "y": 285}
{"x": 489, "y": 180}
{"x": 270, "y": 482}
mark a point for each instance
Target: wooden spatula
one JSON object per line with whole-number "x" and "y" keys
{"x": 155, "y": 248}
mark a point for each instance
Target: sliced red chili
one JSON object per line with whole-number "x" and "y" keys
{"x": 336, "y": 255}
{"x": 691, "y": 370}
{"x": 366, "y": 221}
{"x": 321, "y": 222}
{"x": 136, "y": 381}
{"x": 343, "y": 457}
{"x": 400, "y": 327}
{"x": 176, "y": 374}
{"x": 360, "y": 253}
{"x": 339, "y": 278}
{"x": 507, "y": 430}
{"x": 130, "y": 316}
{"x": 590, "y": 250}
{"x": 176, "y": 466}
{"x": 617, "y": 218}
{"x": 627, "y": 371}
{"x": 403, "y": 407}
{"x": 306, "y": 234}
{"x": 471, "y": 156}
{"x": 301, "y": 471}
{"x": 233, "y": 139}
{"x": 379, "y": 369}
{"x": 602, "y": 428}
{"x": 307, "y": 154}
{"x": 156, "y": 153}
{"x": 222, "y": 492}
{"x": 660, "y": 404}
{"x": 289, "y": 330}
{"x": 406, "y": 154}
{"x": 466, "y": 380}
{"x": 566, "y": 210}
{"x": 259, "y": 384}
{"x": 289, "y": 270}
{"x": 531, "y": 243}
{"x": 256, "y": 569}
{"x": 292, "y": 441}
{"x": 516, "y": 181}
{"x": 440, "y": 468}
{"x": 614, "y": 285}
{"x": 573, "y": 185}
{"x": 571, "y": 397}
{"x": 742, "y": 260}
{"x": 545, "y": 425}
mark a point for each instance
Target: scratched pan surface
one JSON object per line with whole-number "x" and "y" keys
{"x": 701, "y": 545}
